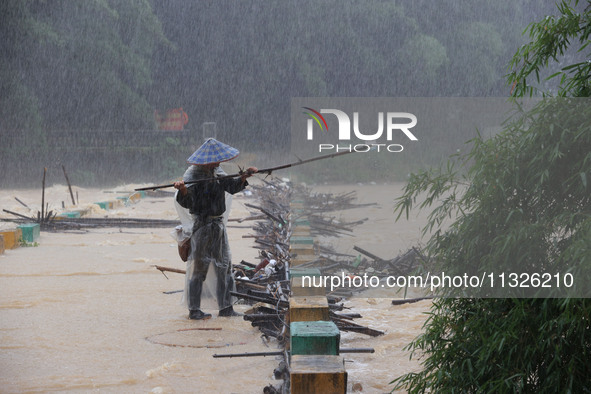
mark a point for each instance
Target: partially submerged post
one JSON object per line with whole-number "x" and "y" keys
{"x": 69, "y": 185}
{"x": 43, "y": 193}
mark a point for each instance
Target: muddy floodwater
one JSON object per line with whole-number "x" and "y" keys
{"x": 86, "y": 311}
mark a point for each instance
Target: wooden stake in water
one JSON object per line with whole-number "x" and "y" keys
{"x": 69, "y": 185}
{"x": 43, "y": 193}
{"x": 22, "y": 203}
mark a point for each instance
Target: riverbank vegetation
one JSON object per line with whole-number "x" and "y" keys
{"x": 527, "y": 208}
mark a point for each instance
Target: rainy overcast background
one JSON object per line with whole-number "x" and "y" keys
{"x": 85, "y": 84}
{"x": 120, "y": 92}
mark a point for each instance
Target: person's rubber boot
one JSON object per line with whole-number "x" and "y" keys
{"x": 197, "y": 314}
{"x": 229, "y": 312}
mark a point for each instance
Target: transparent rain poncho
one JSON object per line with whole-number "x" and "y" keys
{"x": 209, "y": 276}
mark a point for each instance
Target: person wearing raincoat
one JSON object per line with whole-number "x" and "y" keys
{"x": 209, "y": 242}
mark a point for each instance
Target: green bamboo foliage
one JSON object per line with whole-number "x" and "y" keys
{"x": 521, "y": 199}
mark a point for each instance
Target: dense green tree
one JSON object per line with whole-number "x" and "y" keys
{"x": 102, "y": 71}
{"x": 239, "y": 64}
{"x": 521, "y": 200}
{"x": 105, "y": 64}
{"x": 22, "y": 34}
{"x": 95, "y": 65}
{"x": 78, "y": 65}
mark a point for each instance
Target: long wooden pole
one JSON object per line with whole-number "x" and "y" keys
{"x": 17, "y": 214}
{"x": 267, "y": 171}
